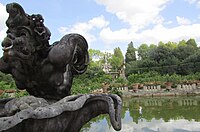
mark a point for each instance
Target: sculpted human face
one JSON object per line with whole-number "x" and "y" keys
{"x": 18, "y": 43}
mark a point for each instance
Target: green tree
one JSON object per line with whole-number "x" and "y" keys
{"x": 143, "y": 51}
{"x": 130, "y": 53}
{"x": 192, "y": 42}
{"x": 161, "y": 53}
{"x": 152, "y": 46}
{"x": 130, "y": 59}
{"x": 164, "y": 57}
{"x": 171, "y": 45}
{"x": 95, "y": 54}
{"x": 96, "y": 58}
{"x": 117, "y": 60}
{"x": 185, "y": 49}
{"x": 131, "y": 67}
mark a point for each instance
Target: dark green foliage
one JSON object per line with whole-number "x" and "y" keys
{"x": 167, "y": 58}
{"x": 161, "y": 54}
{"x": 117, "y": 59}
{"x": 155, "y": 77}
{"x": 130, "y": 59}
{"x": 121, "y": 80}
{"x": 19, "y": 94}
{"x": 91, "y": 80}
{"x": 131, "y": 68}
{"x": 192, "y": 43}
{"x": 115, "y": 91}
{"x": 184, "y": 50}
{"x": 130, "y": 53}
{"x": 6, "y": 82}
{"x": 143, "y": 51}
{"x": 145, "y": 77}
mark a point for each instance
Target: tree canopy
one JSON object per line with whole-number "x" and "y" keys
{"x": 117, "y": 59}
{"x": 166, "y": 58}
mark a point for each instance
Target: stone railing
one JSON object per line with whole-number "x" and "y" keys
{"x": 104, "y": 90}
{"x": 186, "y": 87}
{"x": 122, "y": 89}
{"x": 152, "y": 88}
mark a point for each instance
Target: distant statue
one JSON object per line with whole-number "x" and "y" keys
{"x": 46, "y": 72}
{"x": 42, "y": 69}
{"x": 140, "y": 110}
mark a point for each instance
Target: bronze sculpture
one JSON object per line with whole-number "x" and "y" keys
{"x": 46, "y": 72}
{"x": 34, "y": 63}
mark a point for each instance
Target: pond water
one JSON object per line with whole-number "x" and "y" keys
{"x": 153, "y": 114}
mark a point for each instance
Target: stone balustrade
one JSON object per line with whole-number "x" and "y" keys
{"x": 157, "y": 88}
{"x": 122, "y": 89}
{"x": 152, "y": 88}
{"x": 186, "y": 87}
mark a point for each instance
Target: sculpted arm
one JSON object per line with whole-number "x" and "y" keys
{"x": 72, "y": 49}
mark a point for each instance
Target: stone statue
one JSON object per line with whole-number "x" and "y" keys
{"x": 42, "y": 69}
{"x": 46, "y": 72}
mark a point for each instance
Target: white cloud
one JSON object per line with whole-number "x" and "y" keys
{"x": 137, "y": 13}
{"x": 80, "y": 28}
{"x": 182, "y": 20}
{"x": 191, "y": 1}
{"x": 86, "y": 27}
{"x": 161, "y": 33}
{"x": 197, "y": 2}
{"x": 98, "y": 22}
{"x": 154, "y": 35}
{"x": 140, "y": 15}
{"x": 109, "y": 36}
{"x": 2, "y": 34}
{"x": 3, "y": 18}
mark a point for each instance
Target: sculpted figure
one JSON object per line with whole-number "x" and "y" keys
{"x": 46, "y": 72}
{"x": 42, "y": 69}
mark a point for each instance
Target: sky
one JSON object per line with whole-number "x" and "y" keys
{"x": 107, "y": 24}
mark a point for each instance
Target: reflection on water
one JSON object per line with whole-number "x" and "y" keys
{"x": 158, "y": 114}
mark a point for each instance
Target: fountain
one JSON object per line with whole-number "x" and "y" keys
{"x": 46, "y": 72}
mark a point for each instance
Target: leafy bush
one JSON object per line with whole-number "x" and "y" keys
{"x": 89, "y": 81}
{"x": 144, "y": 77}
{"x": 7, "y": 85}
{"x": 21, "y": 93}
{"x": 156, "y": 77}
{"x": 121, "y": 80}
{"x": 115, "y": 91}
